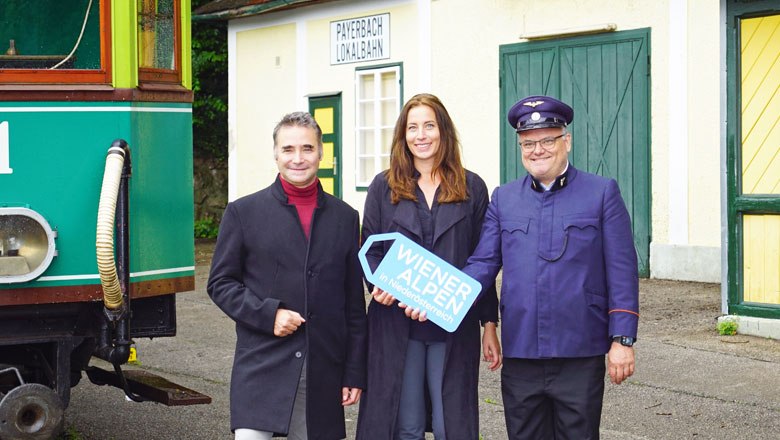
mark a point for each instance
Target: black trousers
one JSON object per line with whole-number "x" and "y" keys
{"x": 553, "y": 398}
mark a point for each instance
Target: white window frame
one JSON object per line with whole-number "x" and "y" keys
{"x": 377, "y": 100}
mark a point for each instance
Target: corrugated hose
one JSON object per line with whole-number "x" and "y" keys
{"x": 112, "y": 292}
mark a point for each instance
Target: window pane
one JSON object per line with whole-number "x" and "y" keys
{"x": 366, "y": 142}
{"x": 389, "y": 84}
{"x": 387, "y": 141}
{"x": 156, "y": 33}
{"x": 366, "y": 115}
{"x": 389, "y": 113}
{"x": 366, "y": 170}
{"x": 366, "y": 86}
{"x": 41, "y": 34}
{"x": 385, "y": 162}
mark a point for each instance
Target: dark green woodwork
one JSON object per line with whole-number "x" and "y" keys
{"x": 605, "y": 78}
{"x": 739, "y": 204}
{"x": 51, "y": 27}
{"x": 757, "y": 205}
{"x": 754, "y": 309}
{"x": 331, "y": 101}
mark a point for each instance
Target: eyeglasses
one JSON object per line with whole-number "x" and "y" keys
{"x": 547, "y": 143}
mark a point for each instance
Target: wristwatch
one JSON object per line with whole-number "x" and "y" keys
{"x": 627, "y": 341}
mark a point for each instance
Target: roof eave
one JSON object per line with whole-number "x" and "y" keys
{"x": 249, "y": 10}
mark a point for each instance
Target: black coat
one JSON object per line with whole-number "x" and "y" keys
{"x": 262, "y": 262}
{"x": 456, "y": 233}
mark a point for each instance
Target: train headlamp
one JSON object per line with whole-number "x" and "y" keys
{"x": 26, "y": 245}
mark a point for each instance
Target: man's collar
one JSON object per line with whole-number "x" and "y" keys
{"x": 559, "y": 183}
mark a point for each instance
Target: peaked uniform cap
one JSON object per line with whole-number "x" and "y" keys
{"x": 539, "y": 111}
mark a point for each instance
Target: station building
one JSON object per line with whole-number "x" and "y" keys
{"x": 675, "y": 99}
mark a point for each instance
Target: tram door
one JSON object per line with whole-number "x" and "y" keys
{"x": 327, "y": 112}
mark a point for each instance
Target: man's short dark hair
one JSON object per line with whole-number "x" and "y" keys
{"x": 299, "y": 119}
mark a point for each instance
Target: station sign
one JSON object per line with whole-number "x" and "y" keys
{"x": 355, "y": 40}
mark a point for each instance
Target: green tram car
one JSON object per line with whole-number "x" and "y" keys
{"x": 96, "y": 203}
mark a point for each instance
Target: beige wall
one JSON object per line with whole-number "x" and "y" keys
{"x": 265, "y": 61}
{"x": 704, "y": 121}
{"x": 451, "y": 48}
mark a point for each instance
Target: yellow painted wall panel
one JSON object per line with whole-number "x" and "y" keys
{"x": 327, "y": 155}
{"x": 757, "y": 47}
{"x": 761, "y": 259}
{"x": 759, "y": 87}
{"x": 327, "y": 184}
{"x": 761, "y": 171}
{"x": 324, "y": 117}
{"x": 760, "y": 97}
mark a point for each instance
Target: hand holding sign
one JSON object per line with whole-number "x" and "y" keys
{"x": 382, "y": 297}
{"x": 422, "y": 281}
{"x": 412, "y": 313}
{"x": 386, "y": 299}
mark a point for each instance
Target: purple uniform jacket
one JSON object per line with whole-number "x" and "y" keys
{"x": 570, "y": 268}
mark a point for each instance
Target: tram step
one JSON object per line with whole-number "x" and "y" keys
{"x": 150, "y": 386}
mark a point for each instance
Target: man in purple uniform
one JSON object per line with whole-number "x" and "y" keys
{"x": 570, "y": 292}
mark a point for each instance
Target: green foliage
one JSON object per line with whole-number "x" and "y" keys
{"x": 206, "y": 228}
{"x": 70, "y": 434}
{"x": 728, "y": 327}
{"x": 209, "y": 83}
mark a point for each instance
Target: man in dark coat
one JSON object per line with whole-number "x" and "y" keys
{"x": 569, "y": 292}
{"x": 285, "y": 269}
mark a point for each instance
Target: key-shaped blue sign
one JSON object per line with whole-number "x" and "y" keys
{"x": 422, "y": 280}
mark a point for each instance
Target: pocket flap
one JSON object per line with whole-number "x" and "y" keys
{"x": 581, "y": 222}
{"x": 520, "y": 224}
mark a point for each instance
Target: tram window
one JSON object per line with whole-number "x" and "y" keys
{"x": 158, "y": 40}
{"x": 54, "y": 41}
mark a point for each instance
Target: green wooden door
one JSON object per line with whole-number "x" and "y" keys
{"x": 753, "y": 158}
{"x": 605, "y": 78}
{"x": 327, "y": 112}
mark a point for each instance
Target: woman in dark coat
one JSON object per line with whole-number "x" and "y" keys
{"x": 420, "y": 376}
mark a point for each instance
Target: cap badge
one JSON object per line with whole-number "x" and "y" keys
{"x": 533, "y": 104}
{"x": 535, "y": 116}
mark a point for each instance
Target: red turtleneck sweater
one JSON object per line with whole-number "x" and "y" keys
{"x": 305, "y": 200}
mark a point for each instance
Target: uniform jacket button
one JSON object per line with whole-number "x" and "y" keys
{"x": 298, "y": 354}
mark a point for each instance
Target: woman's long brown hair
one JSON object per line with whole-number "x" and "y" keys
{"x": 447, "y": 165}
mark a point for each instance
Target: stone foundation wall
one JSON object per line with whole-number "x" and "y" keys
{"x": 210, "y": 187}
